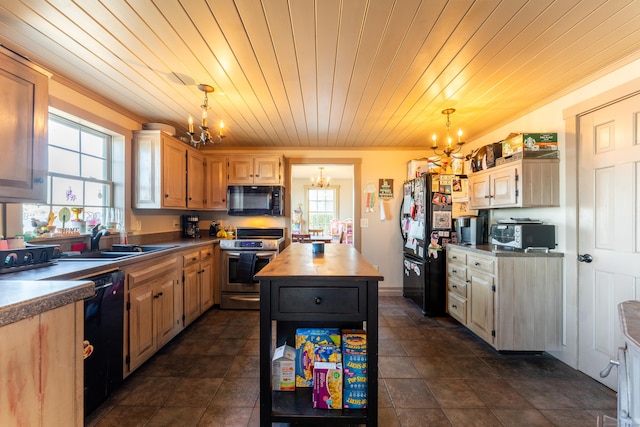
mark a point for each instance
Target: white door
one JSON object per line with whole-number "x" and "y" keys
{"x": 609, "y": 229}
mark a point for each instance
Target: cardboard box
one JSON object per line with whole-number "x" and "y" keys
{"x": 306, "y": 341}
{"x": 354, "y": 399}
{"x": 517, "y": 142}
{"x": 328, "y": 353}
{"x": 327, "y": 385}
{"x": 284, "y": 368}
{"x": 355, "y": 371}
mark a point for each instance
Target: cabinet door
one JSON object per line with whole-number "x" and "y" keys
{"x": 206, "y": 279}
{"x": 142, "y": 337}
{"x": 147, "y": 170}
{"x": 215, "y": 183}
{"x": 504, "y": 188}
{"x": 165, "y": 310}
{"x": 195, "y": 180}
{"x": 240, "y": 170}
{"x": 24, "y": 111}
{"x": 479, "y": 195}
{"x": 480, "y": 305}
{"x": 266, "y": 170}
{"x": 174, "y": 173}
{"x": 191, "y": 293}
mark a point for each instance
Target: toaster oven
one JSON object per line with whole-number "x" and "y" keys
{"x": 524, "y": 236}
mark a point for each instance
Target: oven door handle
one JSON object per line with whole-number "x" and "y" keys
{"x": 250, "y": 299}
{"x": 258, "y": 254}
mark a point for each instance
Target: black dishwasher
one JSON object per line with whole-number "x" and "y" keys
{"x": 103, "y": 336}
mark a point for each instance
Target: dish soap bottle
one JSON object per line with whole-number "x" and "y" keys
{"x": 124, "y": 240}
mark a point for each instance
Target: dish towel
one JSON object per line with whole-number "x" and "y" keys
{"x": 246, "y": 267}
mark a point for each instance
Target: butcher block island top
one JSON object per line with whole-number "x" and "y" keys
{"x": 337, "y": 288}
{"x": 337, "y": 262}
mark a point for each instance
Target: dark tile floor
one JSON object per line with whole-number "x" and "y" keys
{"x": 433, "y": 372}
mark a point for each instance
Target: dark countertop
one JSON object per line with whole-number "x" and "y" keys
{"x": 492, "y": 251}
{"x": 28, "y": 293}
{"x": 338, "y": 262}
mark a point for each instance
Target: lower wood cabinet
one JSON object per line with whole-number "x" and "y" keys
{"x": 512, "y": 300}
{"x": 41, "y": 368}
{"x": 197, "y": 277}
{"x": 154, "y": 307}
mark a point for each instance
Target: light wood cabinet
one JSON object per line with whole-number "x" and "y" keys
{"x": 215, "y": 183}
{"x": 197, "y": 277}
{"x": 167, "y": 172}
{"x": 154, "y": 307}
{"x": 511, "y": 300}
{"x": 41, "y": 367}
{"x": 521, "y": 183}
{"x": 24, "y": 91}
{"x": 257, "y": 169}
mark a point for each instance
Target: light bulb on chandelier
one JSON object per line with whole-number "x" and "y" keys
{"x": 319, "y": 181}
{"x": 205, "y": 135}
{"x": 448, "y": 150}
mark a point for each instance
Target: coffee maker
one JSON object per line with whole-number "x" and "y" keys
{"x": 190, "y": 227}
{"x": 473, "y": 230}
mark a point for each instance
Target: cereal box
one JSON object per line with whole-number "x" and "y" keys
{"x": 328, "y": 353}
{"x": 354, "y": 399}
{"x": 284, "y": 368}
{"x": 306, "y": 341}
{"x": 327, "y": 385}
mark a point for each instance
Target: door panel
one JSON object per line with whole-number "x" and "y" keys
{"x": 609, "y": 206}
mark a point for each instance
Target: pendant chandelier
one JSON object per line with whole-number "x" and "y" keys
{"x": 448, "y": 150}
{"x": 319, "y": 181}
{"x": 205, "y": 135}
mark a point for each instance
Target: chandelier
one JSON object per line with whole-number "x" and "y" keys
{"x": 205, "y": 135}
{"x": 319, "y": 181}
{"x": 448, "y": 150}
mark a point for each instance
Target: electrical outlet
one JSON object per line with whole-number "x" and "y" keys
{"x": 364, "y": 222}
{"x": 377, "y": 267}
{"x": 176, "y": 223}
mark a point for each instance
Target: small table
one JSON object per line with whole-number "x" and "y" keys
{"x": 316, "y": 231}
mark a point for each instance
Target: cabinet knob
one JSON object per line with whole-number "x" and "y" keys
{"x": 454, "y": 271}
{"x": 477, "y": 264}
{"x": 454, "y": 306}
{"x": 318, "y": 300}
{"x": 158, "y": 295}
{"x": 39, "y": 180}
{"x": 166, "y": 196}
{"x": 454, "y": 286}
{"x": 454, "y": 257}
{"x": 190, "y": 198}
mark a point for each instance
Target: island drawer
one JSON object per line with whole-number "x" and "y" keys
{"x": 336, "y": 300}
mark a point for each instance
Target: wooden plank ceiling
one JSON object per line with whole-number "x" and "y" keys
{"x": 326, "y": 73}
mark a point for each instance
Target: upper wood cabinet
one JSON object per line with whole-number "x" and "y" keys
{"x": 521, "y": 183}
{"x": 215, "y": 182}
{"x": 254, "y": 170}
{"x": 168, "y": 173}
{"x": 24, "y": 91}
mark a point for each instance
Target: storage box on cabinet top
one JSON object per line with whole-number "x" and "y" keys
{"x": 517, "y": 142}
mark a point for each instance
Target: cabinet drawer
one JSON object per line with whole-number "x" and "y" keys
{"x": 338, "y": 300}
{"x": 457, "y": 287}
{"x": 190, "y": 258}
{"x": 485, "y": 264}
{"x": 457, "y": 271}
{"x": 457, "y": 257}
{"x": 206, "y": 254}
{"x": 457, "y": 307}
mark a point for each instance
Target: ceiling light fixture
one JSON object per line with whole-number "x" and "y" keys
{"x": 319, "y": 181}
{"x": 205, "y": 135}
{"x": 448, "y": 150}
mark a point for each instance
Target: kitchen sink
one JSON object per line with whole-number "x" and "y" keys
{"x": 100, "y": 255}
{"x": 115, "y": 255}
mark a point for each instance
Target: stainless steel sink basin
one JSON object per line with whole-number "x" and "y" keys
{"x": 100, "y": 255}
{"x": 152, "y": 248}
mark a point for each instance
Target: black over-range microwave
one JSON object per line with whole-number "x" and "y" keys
{"x": 249, "y": 200}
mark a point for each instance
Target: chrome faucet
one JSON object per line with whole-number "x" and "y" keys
{"x": 96, "y": 235}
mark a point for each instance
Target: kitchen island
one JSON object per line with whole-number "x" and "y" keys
{"x": 300, "y": 288}
{"x": 41, "y": 331}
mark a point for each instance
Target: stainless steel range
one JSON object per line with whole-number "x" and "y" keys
{"x": 242, "y": 257}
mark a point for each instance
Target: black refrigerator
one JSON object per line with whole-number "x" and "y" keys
{"x": 426, "y": 225}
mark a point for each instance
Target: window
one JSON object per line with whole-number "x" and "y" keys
{"x": 322, "y": 207}
{"x": 79, "y": 177}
